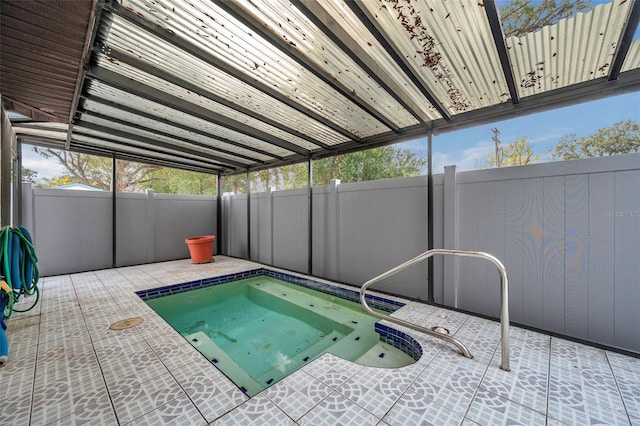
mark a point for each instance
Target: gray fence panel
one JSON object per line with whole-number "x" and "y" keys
{"x": 178, "y": 217}
{"x": 626, "y": 216}
{"x": 134, "y": 233}
{"x": 438, "y": 237}
{"x": 576, "y": 275}
{"x": 261, "y": 227}
{"x": 514, "y": 247}
{"x": 322, "y": 252}
{"x": 553, "y": 243}
{"x": 291, "y": 229}
{"x": 71, "y": 230}
{"x": 380, "y": 225}
{"x": 601, "y": 245}
{"x": 236, "y": 223}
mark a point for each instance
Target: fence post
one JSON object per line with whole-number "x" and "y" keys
{"x": 27, "y": 208}
{"x": 450, "y": 218}
{"x": 269, "y": 222}
{"x": 333, "y": 230}
{"x": 151, "y": 226}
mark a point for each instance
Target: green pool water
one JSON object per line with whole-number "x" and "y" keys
{"x": 259, "y": 330}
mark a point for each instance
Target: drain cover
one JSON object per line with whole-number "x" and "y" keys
{"x": 439, "y": 329}
{"x": 126, "y": 323}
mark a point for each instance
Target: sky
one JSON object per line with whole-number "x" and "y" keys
{"x": 469, "y": 148}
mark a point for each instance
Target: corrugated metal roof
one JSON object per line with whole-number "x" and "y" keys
{"x": 575, "y": 50}
{"x": 447, "y": 48}
{"x": 632, "y": 60}
{"x": 232, "y": 85}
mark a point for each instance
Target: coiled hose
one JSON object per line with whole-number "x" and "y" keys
{"x": 18, "y": 275}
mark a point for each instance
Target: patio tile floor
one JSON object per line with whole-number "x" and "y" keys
{"x": 67, "y": 367}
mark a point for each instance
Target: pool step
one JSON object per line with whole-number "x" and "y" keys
{"x": 385, "y": 356}
{"x": 359, "y": 344}
{"x": 224, "y": 363}
{"x": 304, "y": 357}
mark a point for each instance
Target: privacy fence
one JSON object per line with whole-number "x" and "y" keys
{"x": 568, "y": 234}
{"x": 73, "y": 230}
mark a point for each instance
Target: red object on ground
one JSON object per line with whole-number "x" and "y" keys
{"x": 201, "y": 248}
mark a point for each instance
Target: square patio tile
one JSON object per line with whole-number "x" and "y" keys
{"x": 377, "y": 389}
{"x": 415, "y": 409}
{"x": 259, "y": 410}
{"x": 527, "y": 382}
{"x": 331, "y": 370}
{"x": 297, "y": 393}
{"x": 177, "y": 412}
{"x": 626, "y": 371}
{"x": 212, "y": 393}
{"x": 488, "y": 408}
{"x": 336, "y": 409}
{"x": 62, "y": 392}
{"x": 142, "y": 398}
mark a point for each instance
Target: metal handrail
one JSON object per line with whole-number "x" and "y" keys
{"x": 504, "y": 300}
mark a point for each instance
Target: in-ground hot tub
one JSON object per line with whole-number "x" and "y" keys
{"x": 260, "y": 326}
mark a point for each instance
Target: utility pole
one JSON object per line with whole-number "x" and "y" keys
{"x": 496, "y": 141}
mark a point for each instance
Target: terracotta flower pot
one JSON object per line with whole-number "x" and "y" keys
{"x": 201, "y": 248}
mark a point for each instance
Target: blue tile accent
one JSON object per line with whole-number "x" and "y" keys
{"x": 400, "y": 340}
{"x": 376, "y": 302}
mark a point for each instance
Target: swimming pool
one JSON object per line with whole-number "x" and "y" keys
{"x": 259, "y": 327}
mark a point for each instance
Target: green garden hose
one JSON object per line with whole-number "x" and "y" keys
{"x": 18, "y": 268}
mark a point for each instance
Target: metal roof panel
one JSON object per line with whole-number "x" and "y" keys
{"x": 574, "y": 50}
{"x": 448, "y": 45}
{"x": 167, "y": 87}
{"x": 288, "y": 23}
{"x": 226, "y": 39}
{"x": 107, "y": 92}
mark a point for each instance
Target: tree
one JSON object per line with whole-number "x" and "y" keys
{"x": 378, "y": 163}
{"x": 516, "y": 153}
{"x": 520, "y": 17}
{"x": 29, "y": 175}
{"x": 285, "y": 177}
{"x": 620, "y": 138}
{"x": 174, "y": 181}
{"x": 95, "y": 171}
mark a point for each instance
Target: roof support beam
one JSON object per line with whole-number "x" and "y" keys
{"x": 170, "y": 101}
{"x": 167, "y": 36}
{"x": 92, "y": 30}
{"x": 186, "y": 160}
{"x": 67, "y": 143}
{"x": 501, "y": 46}
{"x": 152, "y": 142}
{"x": 626, "y": 38}
{"x": 163, "y": 120}
{"x": 241, "y": 15}
{"x": 169, "y": 135}
{"x": 323, "y": 20}
{"x": 88, "y": 149}
{"x": 156, "y": 72}
{"x": 364, "y": 16}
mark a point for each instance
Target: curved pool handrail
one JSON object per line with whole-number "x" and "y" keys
{"x": 504, "y": 300}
